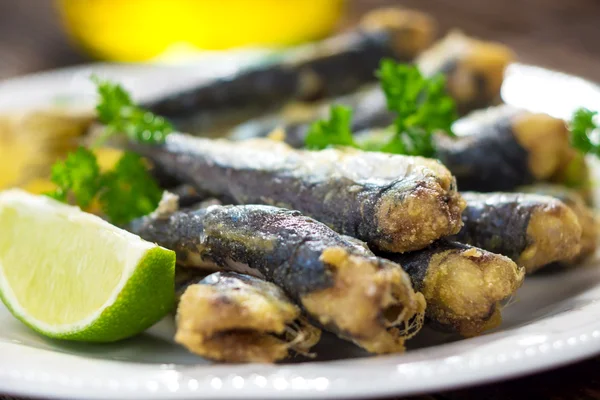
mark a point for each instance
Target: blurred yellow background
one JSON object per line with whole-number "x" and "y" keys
{"x": 141, "y": 30}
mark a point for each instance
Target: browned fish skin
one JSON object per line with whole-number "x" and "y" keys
{"x": 394, "y": 203}
{"x": 504, "y": 148}
{"x": 341, "y": 285}
{"x": 333, "y": 67}
{"x": 239, "y": 318}
{"x": 530, "y": 229}
{"x": 463, "y": 285}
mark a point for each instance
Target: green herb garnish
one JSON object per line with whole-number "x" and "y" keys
{"x": 333, "y": 132}
{"x": 123, "y": 193}
{"x": 421, "y": 105}
{"x": 77, "y": 178}
{"x": 120, "y": 115}
{"x": 127, "y": 191}
{"x": 582, "y": 127}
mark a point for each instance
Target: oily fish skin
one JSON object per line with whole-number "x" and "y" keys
{"x": 474, "y": 70}
{"x": 392, "y": 202}
{"x": 502, "y": 147}
{"x": 533, "y": 230}
{"x": 332, "y": 67}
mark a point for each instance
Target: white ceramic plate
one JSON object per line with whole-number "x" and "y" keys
{"x": 553, "y": 320}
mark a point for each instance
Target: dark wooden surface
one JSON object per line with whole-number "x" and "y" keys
{"x": 559, "y": 34}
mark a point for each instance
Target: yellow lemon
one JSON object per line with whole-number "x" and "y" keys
{"x": 139, "y": 30}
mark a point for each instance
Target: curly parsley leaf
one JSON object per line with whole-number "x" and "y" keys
{"x": 117, "y": 111}
{"x": 128, "y": 191}
{"x": 124, "y": 193}
{"x": 402, "y": 85}
{"x": 582, "y": 128}
{"x": 336, "y": 131}
{"x": 76, "y": 178}
{"x": 422, "y": 107}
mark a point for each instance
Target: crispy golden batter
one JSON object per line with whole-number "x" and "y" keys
{"x": 336, "y": 280}
{"x": 463, "y": 285}
{"x": 588, "y": 220}
{"x": 464, "y": 289}
{"x": 241, "y": 319}
{"x": 531, "y": 229}
{"x": 554, "y": 235}
{"x": 545, "y": 138}
{"x": 474, "y": 69}
{"x": 416, "y": 220}
{"x": 368, "y": 303}
{"x": 586, "y": 216}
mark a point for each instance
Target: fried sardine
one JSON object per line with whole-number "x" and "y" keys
{"x": 464, "y": 286}
{"x": 392, "y": 202}
{"x": 367, "y": 300}
{"x": 532, "y": 230}
{"x": 331, "y": 67}
{"x": 233, "y": 317}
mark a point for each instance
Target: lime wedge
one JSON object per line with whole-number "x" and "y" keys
{"x": 71, "y": 275}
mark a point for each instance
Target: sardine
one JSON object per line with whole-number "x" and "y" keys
{"x": 503, "y": 147}
{"x": 361, "y": 298}
{"x": 332, "y": 67}
{"x": 394, "y": 203}
{"x": 189, "y": 196}
{"x": 239, "y": 318}
{"x": 474, "y": 70}
{"x": 464, "y": 286}
{"x": 292, "y": 122}
{"x": 587, "y": 217}
{"x": 532, "y": 230}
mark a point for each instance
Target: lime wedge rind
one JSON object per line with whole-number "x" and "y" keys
{"x": 142, "y": 290}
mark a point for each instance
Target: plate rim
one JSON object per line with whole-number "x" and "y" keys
{"x": 164, "y": 382}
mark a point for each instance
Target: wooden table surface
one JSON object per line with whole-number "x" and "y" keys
{"x": 559, "y": 34}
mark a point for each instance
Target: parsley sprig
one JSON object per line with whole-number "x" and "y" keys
{"x": 421, "y": 105}
{"x": 76, "y": 178}
{"x": 117, "y": 111}
{"x": 333, "y": 132}
{"x": 124, "y": 193}
{"x": 127, "y": 191}
{"x": 582, "y": 127}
